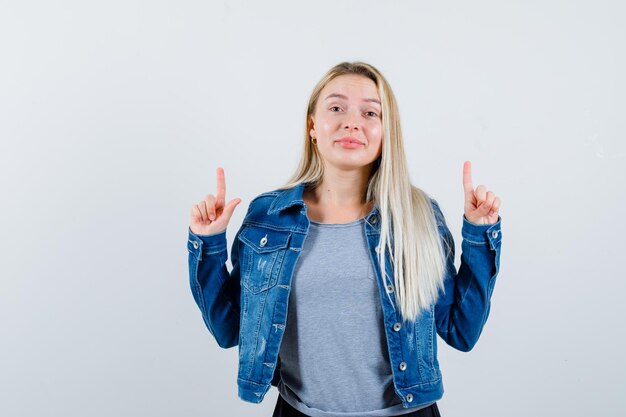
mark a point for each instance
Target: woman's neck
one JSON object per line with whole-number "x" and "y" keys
{"x": 338, "y": 199}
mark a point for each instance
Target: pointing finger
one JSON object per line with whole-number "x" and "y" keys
{"x": 467, "y": 180}
{"x": 221, "y": 186}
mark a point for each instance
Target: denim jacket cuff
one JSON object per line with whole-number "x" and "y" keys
{"x": 480, "y": 234}
{"x": 206, "y": 244}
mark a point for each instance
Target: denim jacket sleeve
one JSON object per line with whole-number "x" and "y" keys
{"x": 216, "y": 291}
{"x": 462, "y": 310}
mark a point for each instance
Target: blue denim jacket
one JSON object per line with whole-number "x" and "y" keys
{"x": 248, "y": 305}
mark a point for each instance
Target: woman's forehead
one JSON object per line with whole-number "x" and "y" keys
{"x": 351, "y": 86}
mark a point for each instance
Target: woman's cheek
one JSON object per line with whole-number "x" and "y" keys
{"x": 325, "y": 126}
{"x": 375, "y": 134}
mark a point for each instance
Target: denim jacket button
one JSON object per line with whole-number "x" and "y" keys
{"x": 263, "y": 241}
{"x": 402, "y": 366}
{"x": 374, "y": 220}
{"x": 494, "y": 234}
{"x": 409, "y": 397}
{"x": 389, "y": 288}
{"x": 195, "y": 244}
{"x": 396, "y": 327}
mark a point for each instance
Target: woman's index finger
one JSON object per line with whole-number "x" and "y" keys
{"x": 467, "y": 177}
{"x": 221, "y": 184}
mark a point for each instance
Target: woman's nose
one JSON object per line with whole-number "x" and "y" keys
{"x": 352, "y": 121}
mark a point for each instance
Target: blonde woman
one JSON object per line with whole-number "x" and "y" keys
{"x": 342, "y": 278}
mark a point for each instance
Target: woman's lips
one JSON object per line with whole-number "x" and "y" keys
{"x": 349, "y": 143}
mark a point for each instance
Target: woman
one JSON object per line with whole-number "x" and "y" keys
{"x": 354, "y": 341}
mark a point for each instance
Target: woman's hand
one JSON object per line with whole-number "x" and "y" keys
{"x": 481, "y": 206}
{"x": 211, "y": 216}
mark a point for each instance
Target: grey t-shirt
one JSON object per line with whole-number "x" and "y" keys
{"x": 334, "y": 358}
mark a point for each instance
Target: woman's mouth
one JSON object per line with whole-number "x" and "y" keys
{"x": 349, "y": 143}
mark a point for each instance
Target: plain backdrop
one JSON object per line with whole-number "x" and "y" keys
{"x": 114, "y": 116}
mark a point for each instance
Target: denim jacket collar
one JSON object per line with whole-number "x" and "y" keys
{"x": 287, "y": 198}
{"x": 293, "y": 196}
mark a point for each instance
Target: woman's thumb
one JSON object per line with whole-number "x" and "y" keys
{"x": 229, "y": 209}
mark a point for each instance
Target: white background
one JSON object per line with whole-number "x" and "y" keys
{"x": 114, "y": 116}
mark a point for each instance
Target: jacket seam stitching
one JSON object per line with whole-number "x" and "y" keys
{"x": 432, "y": 382}
{"x": 272, "y": 227}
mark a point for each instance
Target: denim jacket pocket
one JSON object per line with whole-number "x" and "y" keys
{"x": 263, "y": 253}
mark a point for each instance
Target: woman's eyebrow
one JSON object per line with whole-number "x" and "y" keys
{"x": 335, "y": 95}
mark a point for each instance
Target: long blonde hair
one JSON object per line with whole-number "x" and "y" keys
{"x": 408, "y": 226}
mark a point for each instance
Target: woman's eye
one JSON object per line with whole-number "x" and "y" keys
{"x": 334, "y": 107}
{"x": 372, "y": 114}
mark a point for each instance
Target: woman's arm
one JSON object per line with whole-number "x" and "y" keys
{"x": 215, "y": 290}
{"x": 463, "y": 308}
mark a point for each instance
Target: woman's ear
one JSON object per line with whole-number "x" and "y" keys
{"x": 311, "y": 127}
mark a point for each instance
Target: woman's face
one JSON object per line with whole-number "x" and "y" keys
{"x": 347, "y": 122}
